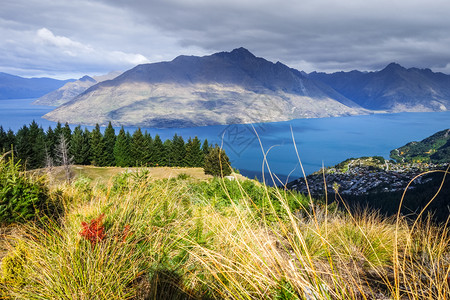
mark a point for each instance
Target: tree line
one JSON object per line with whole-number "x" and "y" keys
{"x": 37, "y": 148}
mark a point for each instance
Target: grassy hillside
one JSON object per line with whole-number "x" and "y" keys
{"x": 104, "y": 174}
{"x": 435, "y": 149}
{"x": 132, "y": 236}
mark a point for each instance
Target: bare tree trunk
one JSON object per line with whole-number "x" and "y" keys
{"x": 48, "y": 163}
{"x": 63, "y": 156}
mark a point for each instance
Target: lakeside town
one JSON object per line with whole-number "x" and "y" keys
{"x": 366, "y": 175}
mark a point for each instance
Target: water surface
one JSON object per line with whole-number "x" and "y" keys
{"x": 326, "y": 141}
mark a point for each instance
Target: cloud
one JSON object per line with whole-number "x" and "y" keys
{"x": 52, "y": 54}
{"x": 324, "y": 35}
{"x": 71, "y": 48}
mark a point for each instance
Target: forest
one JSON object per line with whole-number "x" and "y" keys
{"x": 37, "y": 148}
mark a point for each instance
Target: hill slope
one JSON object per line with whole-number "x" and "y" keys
{"x": 393, "y": 89}
{"x": 435, "y": 149}
{"x": 223, "y": 88}
{"x": 16, "y": 87}
{"x": 72, "y": 89}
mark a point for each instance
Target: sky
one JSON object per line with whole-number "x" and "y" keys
{"x": 68, "y": 39}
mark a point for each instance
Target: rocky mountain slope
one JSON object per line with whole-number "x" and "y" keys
{"x": 16, "y": 87}
{"x": 72, "y": 89}
{"x": 393, "y": 89}
{"x": 223, "y": 88}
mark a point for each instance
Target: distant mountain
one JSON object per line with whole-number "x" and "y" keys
{"x": 72, "y": 89}
{"x": 223, "y": 88}
{"x": 15, "y": 87}
{"x": 393, "y": 89}
{"x": 435, "y": 149}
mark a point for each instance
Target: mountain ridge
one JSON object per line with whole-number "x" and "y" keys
{"x": 393, "y": 88}
{"x": 72, "y": 89}
{"x": 222, "y": 88}
{"x": 16, "y": 87}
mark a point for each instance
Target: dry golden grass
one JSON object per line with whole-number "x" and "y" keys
{"x": 184, "y": 247}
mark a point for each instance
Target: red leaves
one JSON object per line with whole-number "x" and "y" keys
{"x": 126, "y": 233}
{"x": 94, "y": 230}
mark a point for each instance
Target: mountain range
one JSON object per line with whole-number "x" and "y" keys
{"x": 222, "y": 88}
{"x": 393, "y": 89}
{"x": 16, "y": 87}
{"x": 238, "y": 87}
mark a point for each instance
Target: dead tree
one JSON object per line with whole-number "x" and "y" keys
{"x": 63, "y": 157}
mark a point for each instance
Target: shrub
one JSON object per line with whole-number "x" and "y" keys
{"x": 183, "y": 176}
{"x": 22, "y": 197}
{"x": 217, "y": 163}
{"x": 94, "y": 230}
{"x": 13, "y": 271}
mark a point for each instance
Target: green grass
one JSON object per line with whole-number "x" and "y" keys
{"x": 189, "y": 238}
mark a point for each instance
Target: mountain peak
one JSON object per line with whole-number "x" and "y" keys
{"x": 242, "y": 50}
{"x": 87, "y": 78}
{"x": 393, "y": 66}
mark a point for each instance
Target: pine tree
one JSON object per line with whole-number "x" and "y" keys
{"x": 194, "y": 154}
{"x": 22, "y": 145}
{"x": 138, "y": 148}
{"x": 217, "y": 163}
{"x": 3, "y": 139}
{"x": 122, "y": 149}
{"x": 10, "y": 139}
{"x": 148, "y": 152}
{"x": 67, "y": 133}
{"x": 159, "y": 152}
{"x": 167, "y": 159}
{"x": 53, "y": 139}
{"x": 97, "y": 147}
{"x": 205, "y": 147}
{"x": 36, "y": 140}
{"x": 178, "y": 151}
{"x": 109, "y": 140}
{"x": 50, "y": 142}
{"x": 87, "y": 146}
{"x": 79, "y": 146}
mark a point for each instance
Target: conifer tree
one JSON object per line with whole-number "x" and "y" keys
{"x": 178, "y": 151}
{"x": 109, "y": 140}
{"x": 205, "y": 147}
{"x": 148, "y": 152}
{"x": 194, "y": 153}
{"x": 138, "y": 148}
{"x": 58, "y": 130}
{"x": 217, "y": 163}
{"x": 159, "y": 152}
{"x": 22, "y": 146}
{"x": 167, "y": 159}
{"x": 79, "y": 146}
{"x": 122, "y": 149}
{"x": 3, "y": 138}
{"x": 97, "y": 147}
{"x": 10, "y": 139}
{"x": 53, "y": 139}
{"x": 67, "y": 132}
{"x": 36, "y": 140}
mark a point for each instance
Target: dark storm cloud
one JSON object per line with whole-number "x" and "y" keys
{"x": 324, "y": 35}
{"x": 316, "y": 34}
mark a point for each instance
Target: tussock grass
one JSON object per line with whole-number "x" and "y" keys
{"x": 179, "y": 238}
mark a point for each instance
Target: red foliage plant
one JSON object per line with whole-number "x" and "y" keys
{"x": 126, "y": 233}
{"x": 94, "y": 230}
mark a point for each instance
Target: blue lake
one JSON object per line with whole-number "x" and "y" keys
{"x": 326, "y": 141}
